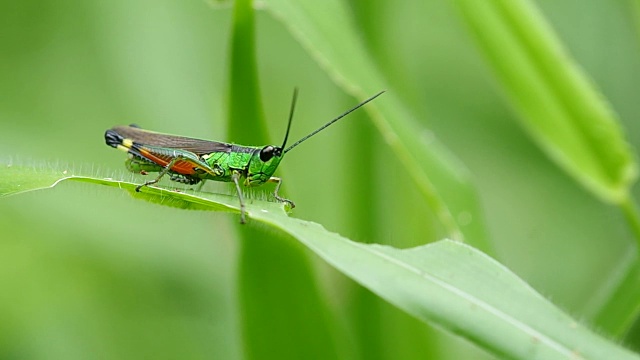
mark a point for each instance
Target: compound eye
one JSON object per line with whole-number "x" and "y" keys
{"x": 267, "y": 153}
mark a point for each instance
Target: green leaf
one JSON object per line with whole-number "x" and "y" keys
{"x": 16, "y": 179}
{"x": 558, "y": 105}
{"x": 327, "y": 32}
{"x": 464, "y": 291}
{"x": 446, "y": 283}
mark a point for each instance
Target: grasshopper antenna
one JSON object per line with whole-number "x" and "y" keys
{"x": 330, "y": 122}
{"x": 293, "y": 108}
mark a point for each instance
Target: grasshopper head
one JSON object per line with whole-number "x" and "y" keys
{"x": 265, "y": 161}
{"x": 263, "y": 164}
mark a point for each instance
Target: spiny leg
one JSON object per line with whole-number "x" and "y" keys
{"x": 235, "y": 176}
{"x": 278, "y": 182}
{"x": 161, "y": 174}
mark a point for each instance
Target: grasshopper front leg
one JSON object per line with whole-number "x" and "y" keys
{"x": 278, "y": 182}
{"x": 235, "y": 175}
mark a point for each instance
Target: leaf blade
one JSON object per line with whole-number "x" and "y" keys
{"x": 446, "y": 283}
{"x": 266, "y": 301}
{"x": 558, "y": 105}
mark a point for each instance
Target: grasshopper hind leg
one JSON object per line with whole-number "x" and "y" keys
{"x": 141, "y": 166}
{"x": 162, "y": 173}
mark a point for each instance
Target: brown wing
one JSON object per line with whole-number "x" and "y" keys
{"x": 196, "y": 146}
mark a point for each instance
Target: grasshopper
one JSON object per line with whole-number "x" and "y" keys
{"x": 190, "y": 161}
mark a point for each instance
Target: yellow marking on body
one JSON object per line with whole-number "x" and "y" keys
{"x": 120, "y": 147}
{"x": 127, "y": 142}
{"x": 205, "y": 157}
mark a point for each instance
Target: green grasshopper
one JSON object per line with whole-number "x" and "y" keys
{"x": 191, "y": 161}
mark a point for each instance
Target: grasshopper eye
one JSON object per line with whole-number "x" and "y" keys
{"x": 267, "y": 153}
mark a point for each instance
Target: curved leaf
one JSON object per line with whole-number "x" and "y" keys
{"x": 558, "y": 104}
{"x": 446, "y": 283}
{"x": 16, "y": 179}
{"x": 267, "y": 314}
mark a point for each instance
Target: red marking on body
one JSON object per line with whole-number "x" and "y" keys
{"x": 182, "y": 167}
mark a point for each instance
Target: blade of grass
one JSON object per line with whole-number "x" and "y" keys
{"x": 283, "y": 315}
{"x": 363, "y": 309}
{"x": 17, "y": 178}
{"x": 559, "y": 106}
{"x": 446, "y": 283}
{"x": 619, "y": 308}
{"x": 617, "y": 313}
{"x": 565, "y": 114}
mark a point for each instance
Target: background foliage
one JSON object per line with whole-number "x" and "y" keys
{"x": 86, "y": 269}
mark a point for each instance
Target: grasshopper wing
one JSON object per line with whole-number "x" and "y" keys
{"x": 150, "y": 138}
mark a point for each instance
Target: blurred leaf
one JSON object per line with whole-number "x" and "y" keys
{"x": 558, "y": 104}
{"x": 219, "y": 4}
{"x": 277, "y": 287}
{"x": 325, "y": 29}
{"x": 446, "y": 283}
{"x": 617, "y": 313}
{"x": 246, "y": 124}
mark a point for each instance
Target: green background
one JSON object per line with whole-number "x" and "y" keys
{"x": 86, "y": 270}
